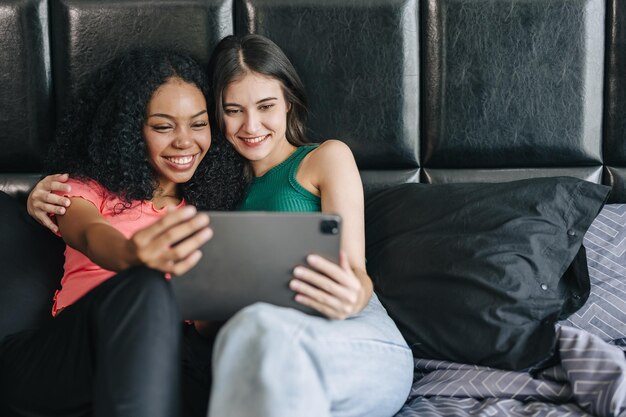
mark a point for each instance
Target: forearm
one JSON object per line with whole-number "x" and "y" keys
{"x": 107, "y": 247}
{"x": 171, "y": 244}
{"x": 83, "y": 228}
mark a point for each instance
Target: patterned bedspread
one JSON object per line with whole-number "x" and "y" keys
{"x": 589, "y": 381}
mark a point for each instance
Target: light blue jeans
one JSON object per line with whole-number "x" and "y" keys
{"x": 272, "y": 361}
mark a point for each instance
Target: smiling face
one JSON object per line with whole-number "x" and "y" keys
{"x": 177, "y": 133}
{"x": 255, "y": 120}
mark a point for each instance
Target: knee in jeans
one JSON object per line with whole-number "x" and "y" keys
{"x": 258, "y": 321}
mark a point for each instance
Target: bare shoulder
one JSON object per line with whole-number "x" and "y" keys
{"x": 330, "y": 162}
{"x": 332, "y": 151}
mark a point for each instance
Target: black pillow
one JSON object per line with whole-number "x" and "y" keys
{"x": 479, "y": 273}
{"x": 31, "y": 267}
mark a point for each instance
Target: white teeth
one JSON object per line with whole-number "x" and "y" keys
{"x": 254, "y": 140}
{"x": 181, "y": 160}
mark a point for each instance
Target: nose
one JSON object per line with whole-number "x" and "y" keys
{"x": 252, "y": 122}
{"x": 183, "y": 139}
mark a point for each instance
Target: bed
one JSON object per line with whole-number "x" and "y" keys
{"x": 467, "y": 280}
{"x": 590, "y": 380}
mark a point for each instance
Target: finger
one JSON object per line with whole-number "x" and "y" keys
{"x": 330, "y": 269}
{"x": 159, "y": 248}
{"x": 45, "y": 221}
{"x": 49, "y": 208}
{"x": 55, "y": 199}
{"x": 165, "y": 223}
{"x": 189, "y": 245}
{"x": 57, "y": 177}
{"x": 322, "y": 308}
{"x": 319, "y": 281}
{"x": 316, "y": 294}
{"x": 186, "y": 264}
{"x": 46, "y": 182}
{"x": 60, "y": 186}
{"x": 182, "y": 231}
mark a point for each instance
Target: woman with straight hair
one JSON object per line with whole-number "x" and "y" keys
{"x": 275, "y": 361}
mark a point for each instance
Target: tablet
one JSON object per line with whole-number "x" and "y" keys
{"x": 251, "y": 258}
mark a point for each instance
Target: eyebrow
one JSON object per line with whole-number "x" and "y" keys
{"x": 258, "y": 102}
{"x": 167, "y": 116}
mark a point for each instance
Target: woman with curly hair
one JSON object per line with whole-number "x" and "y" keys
{"x": 139, "y": 154}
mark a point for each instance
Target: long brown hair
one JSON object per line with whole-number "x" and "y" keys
{"x": 236, "y": 56}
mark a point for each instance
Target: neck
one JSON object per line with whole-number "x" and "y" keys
{"x": 166, "y": 196}
{"x": 261, "y": 167}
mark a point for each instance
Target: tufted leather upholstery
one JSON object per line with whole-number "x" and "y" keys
{"x": 523, "y": 91}
{"x": 362, "y": 83}
{"x": 88, "y": 33}
{"x": 25, "y": 87}
{"x": 615, "y": 100}
{"x": 422, "y": 90}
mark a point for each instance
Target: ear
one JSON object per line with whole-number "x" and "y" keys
{"x": 288, "y": 107}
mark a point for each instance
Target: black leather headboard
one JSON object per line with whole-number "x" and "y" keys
{"x": 430, "y": 91}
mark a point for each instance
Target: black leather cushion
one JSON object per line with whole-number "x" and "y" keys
{"x": 479, "y": 273}
{"x": 87, "y": 34}
{"x": 454, "y": 175}
{"x": 616, "y": 176}
{"x": 25, "y": 87}
{"x": 512, "y": 83}
{"x": 31, "y": 265}
{"x": 615, "y": 100}
{"x": 359, "y": 62}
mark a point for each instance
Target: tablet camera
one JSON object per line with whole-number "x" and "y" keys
{"x": 329, "y": 227}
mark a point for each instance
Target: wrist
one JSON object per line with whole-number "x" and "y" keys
{"x": 131, "y": 258}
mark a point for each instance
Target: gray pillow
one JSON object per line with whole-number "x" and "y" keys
{"x": 604, "y": 313}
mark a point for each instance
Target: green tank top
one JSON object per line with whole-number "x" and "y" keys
{"x": 278, "y": 190}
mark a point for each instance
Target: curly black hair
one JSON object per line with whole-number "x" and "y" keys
{"x": 100, "y": 137}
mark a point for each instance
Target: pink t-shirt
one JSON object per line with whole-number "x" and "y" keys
{"x": 82, "y": 275}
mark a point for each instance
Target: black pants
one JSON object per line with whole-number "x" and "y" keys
{"x": 196, "y": 371}
{"x": 115, "y": 352}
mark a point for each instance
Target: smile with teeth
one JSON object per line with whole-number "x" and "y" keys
{"x": 180, "y": 160}
{"x": 254, "y": 140}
